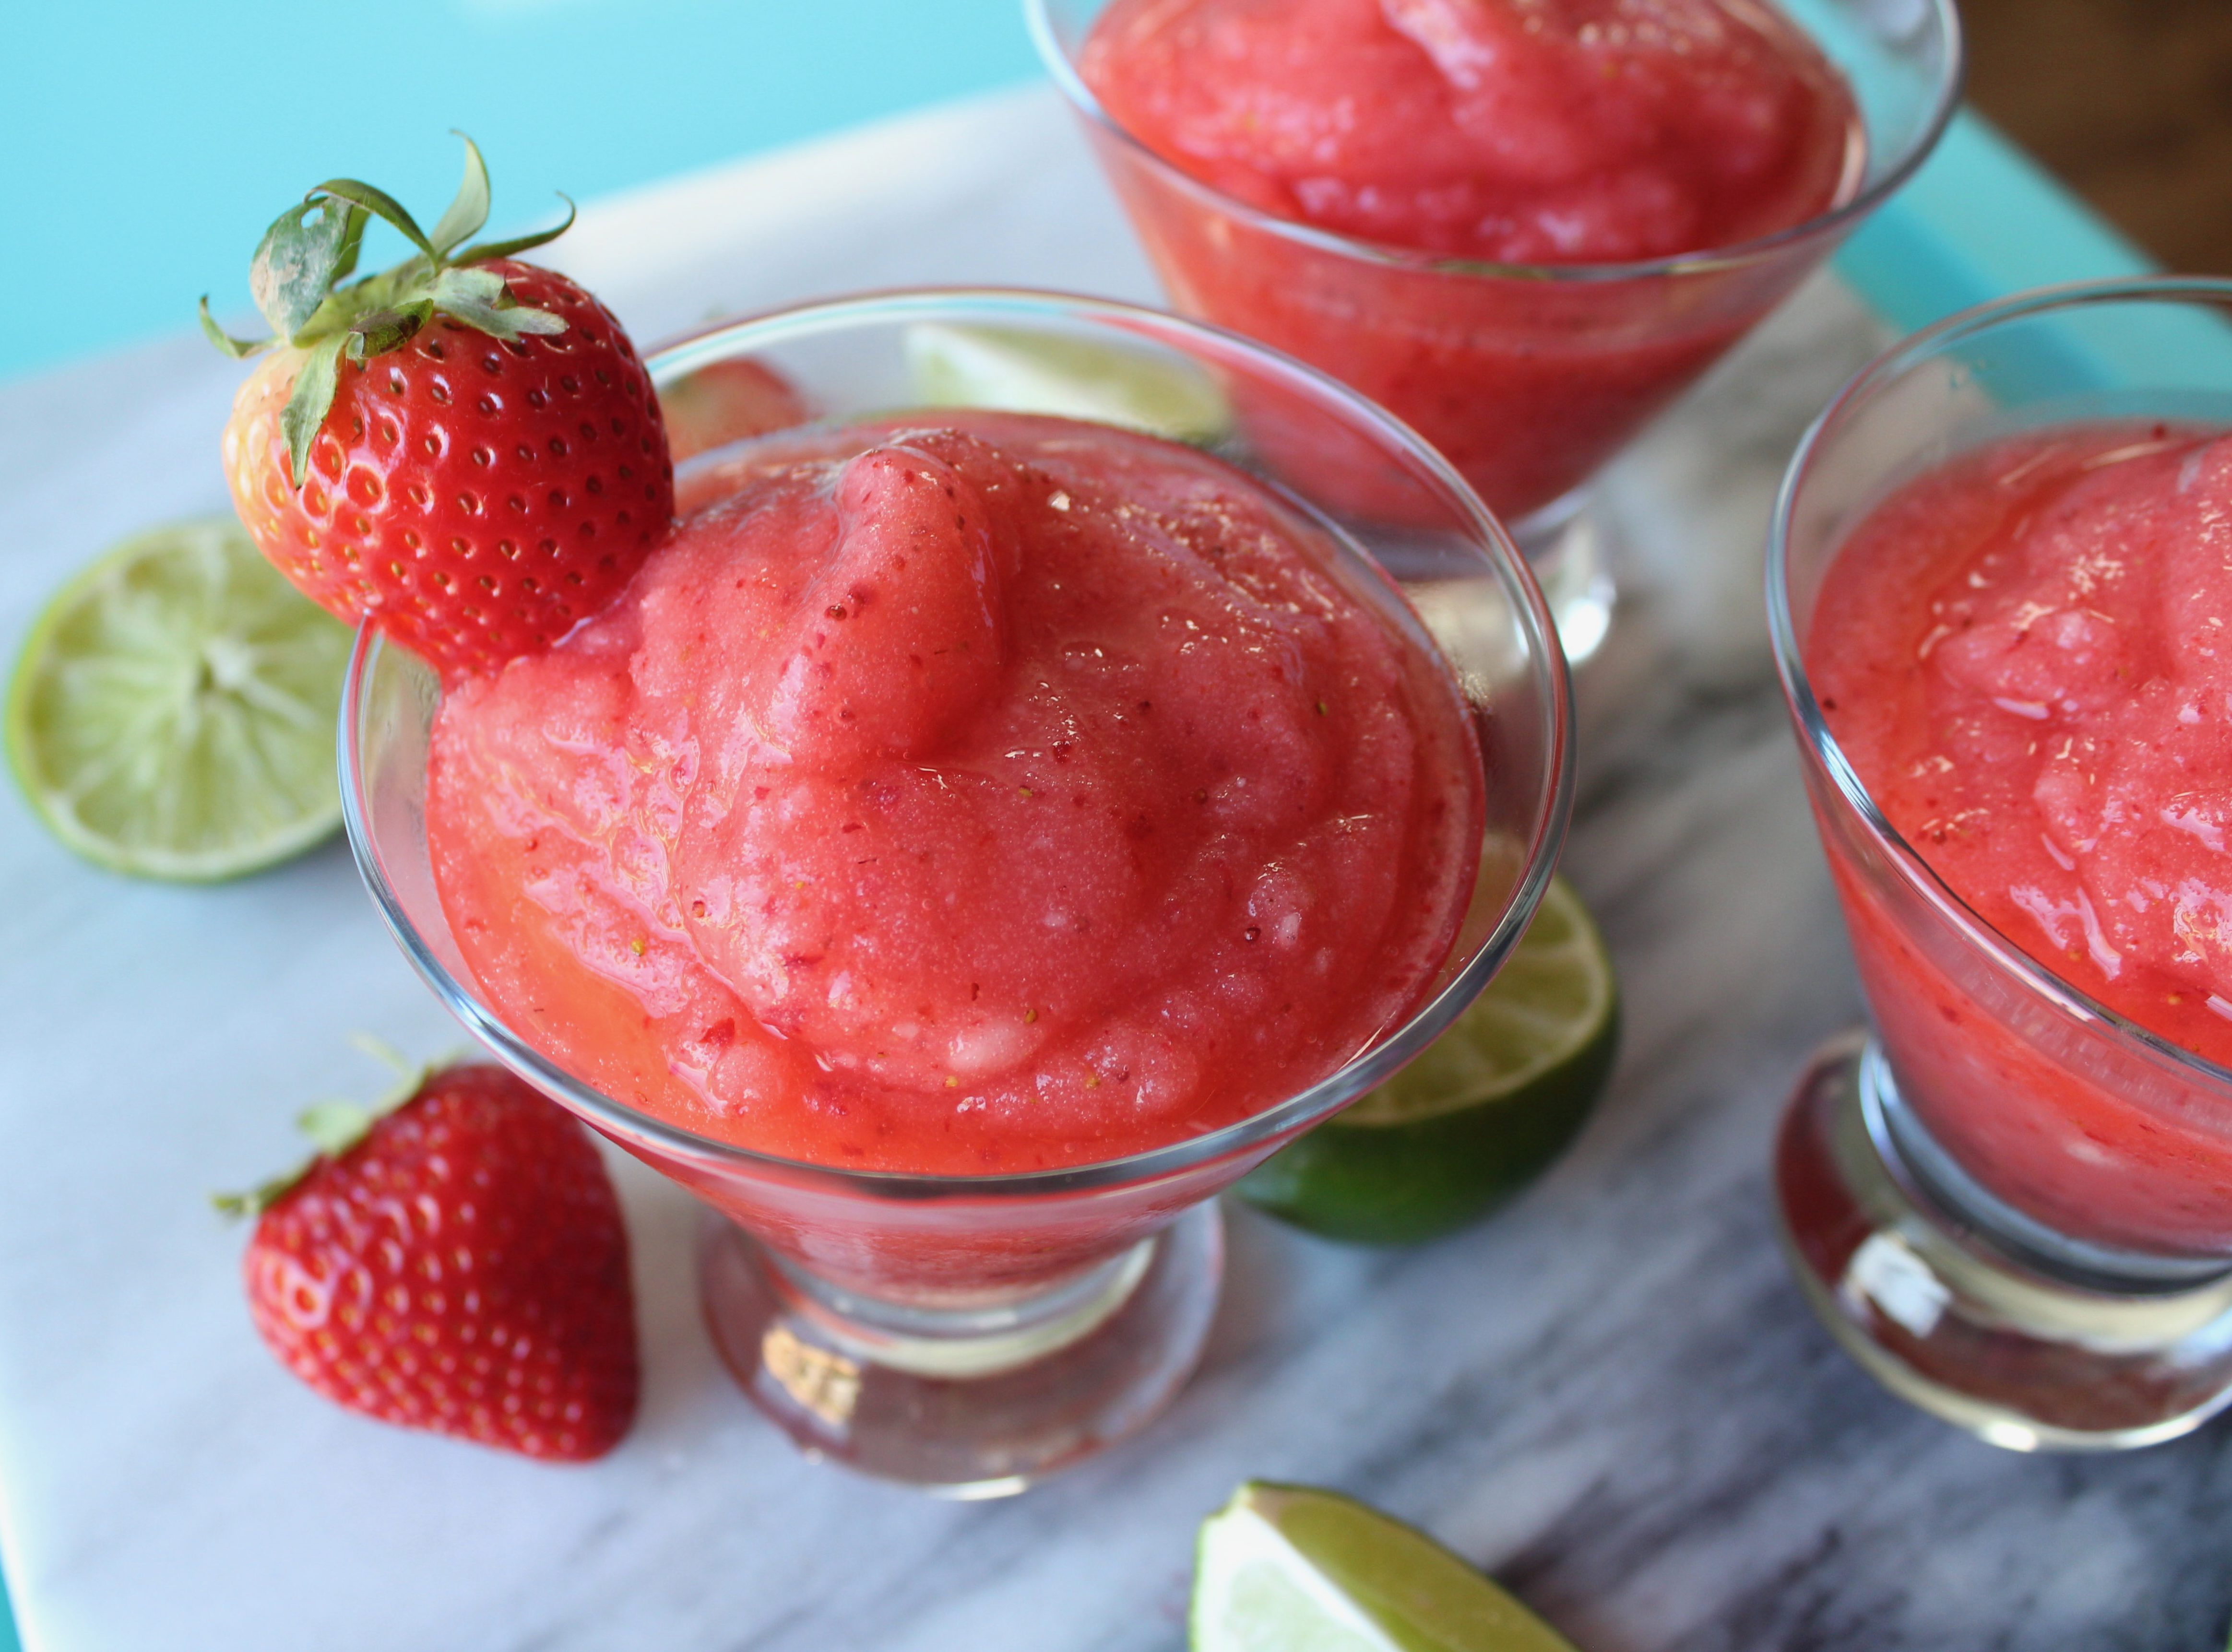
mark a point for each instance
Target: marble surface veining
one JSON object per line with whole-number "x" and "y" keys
{"x": 1612, "y": 1396}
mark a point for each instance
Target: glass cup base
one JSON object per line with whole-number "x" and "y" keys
{"x": 1943, "y": 1300}
{"x": 1566, "y": 546}
{"x": 972, "y": 1401}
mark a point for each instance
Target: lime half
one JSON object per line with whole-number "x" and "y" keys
{"x": 172, "y": 713}
{"x": 1292, "y": 1569}
{"x": 1042, "y": 372}
{"x": 1482, "y": 1111}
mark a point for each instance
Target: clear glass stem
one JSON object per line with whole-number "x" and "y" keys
{"x": 1565, "y": 544}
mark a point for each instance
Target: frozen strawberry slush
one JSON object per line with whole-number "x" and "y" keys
{"x": 969, "y": 796}
{"x": 2026, "y": 656}
{"x": 1535, "y": 133}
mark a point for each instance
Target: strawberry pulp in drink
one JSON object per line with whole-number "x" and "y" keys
{"x": 1487, "y": 164}
{"x": 2026, "y": 654}
{"x": 964, "y": 793}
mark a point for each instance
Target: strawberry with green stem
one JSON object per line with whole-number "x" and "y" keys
{"x": 464, "y": 449}
{"x": 452, "y": 1260}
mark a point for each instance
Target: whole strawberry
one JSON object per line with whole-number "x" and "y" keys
{"x": 456, "y": 1263}
{"x": 464, "y": 449}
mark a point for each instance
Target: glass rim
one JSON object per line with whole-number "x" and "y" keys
{"x": 1702, "y": 260}
{"x": 1821, "y": 747}
{"x": 1372, "y": 1066}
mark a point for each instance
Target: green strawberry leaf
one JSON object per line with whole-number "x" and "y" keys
{"x": 261, "y": 1197}
{"x": 299, "y": 259}
{"x": 480, "y": 299}
{"x": 335, "y": 1126}
{"x": 312, "y": 247}
{"x": 485, "y": 250}
{"x": 312, "y": 399}
{"x": 470, "y": 211}
{"x": 352, "y": 244}
{"x": 238, "y": 349}
{"x": 381, "y": 206}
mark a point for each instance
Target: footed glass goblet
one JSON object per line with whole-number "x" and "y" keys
{"x": 969, "y": 1334}
{"x": 2010, "y": 1203}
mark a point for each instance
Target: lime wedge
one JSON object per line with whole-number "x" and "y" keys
{"x": 1292, "y": 1569}
{"x": 1043, "y": 373}
{"x": 173, "y": 712}
{"x": 1482, "y": 1111}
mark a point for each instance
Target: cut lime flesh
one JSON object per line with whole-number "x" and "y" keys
{"x": 1481, "y": 1113}
{"x": 1041, "y": 372}
{"x": 1293, "y": 1569}
{"x": 173, "y": 714}
{"x": 1554, "y": 995}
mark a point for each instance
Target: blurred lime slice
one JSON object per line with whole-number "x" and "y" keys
{"x": 1482, "y": 1112}
{"x": 173, "y": 714}
{"x": 1293, "y": 1569}
{"x": 1042, "y": 372}
{"x": 727, "y": 401}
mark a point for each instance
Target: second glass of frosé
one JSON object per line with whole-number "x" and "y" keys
{"x": 2001, "y": 576}
{"x": 1523, "y": 226}
{"x": 976, "y": 837}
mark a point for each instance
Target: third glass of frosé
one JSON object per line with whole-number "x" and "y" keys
{"x": 2025, "y": 655}
{"x": 2003, "y": 567}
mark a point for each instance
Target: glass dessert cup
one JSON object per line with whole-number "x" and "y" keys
{"x": 1529, "y": 378}
{"x": 2011, "y": 1204}
{"x": 969, "y": 1334}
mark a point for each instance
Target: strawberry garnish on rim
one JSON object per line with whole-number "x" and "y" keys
{"x": 464, "y": 449}
{"x": 453, "y": 1260}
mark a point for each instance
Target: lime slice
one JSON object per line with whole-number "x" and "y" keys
{"x": 173, "y": 711}
{"x": 1292, "y": 1569}
{"x": 727, "y": 401}
{"x": 1043, "y": 373}
{"x": 1482, "y": 1112}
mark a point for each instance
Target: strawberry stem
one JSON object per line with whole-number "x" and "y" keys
{"x": 381, "y": 331}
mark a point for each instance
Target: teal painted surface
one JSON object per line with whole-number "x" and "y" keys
{"x": 1979, "y": 221}
{"x": 149, "y": 143}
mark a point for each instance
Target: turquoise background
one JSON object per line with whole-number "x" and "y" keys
{"x": 153, "y": 142}
{"x": 150, "y": 142}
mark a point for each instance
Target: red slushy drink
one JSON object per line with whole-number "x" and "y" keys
{"x": 964, "y": 793}
{"x": 2025, "y": 655}
{"x": 1446, "y": 139}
